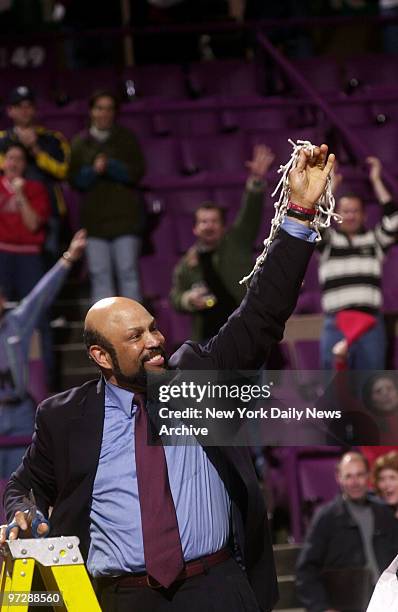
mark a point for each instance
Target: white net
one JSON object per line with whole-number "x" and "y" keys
{"x": 324, "y": 207}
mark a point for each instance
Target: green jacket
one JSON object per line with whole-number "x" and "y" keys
{"x": 232, "y": 259}
{"x": 111, "y": 206}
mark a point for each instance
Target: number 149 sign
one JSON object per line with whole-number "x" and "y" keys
{"x": 23, "y": 56}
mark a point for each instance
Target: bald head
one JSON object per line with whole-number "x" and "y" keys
{"x": 350, "y": 457}
{"x": 122, "y": 338}
{"x": 352, "y": 475}
{"x": 110, "y": 314}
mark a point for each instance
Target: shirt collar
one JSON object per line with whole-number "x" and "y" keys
{"x": 100, "y": 135}
{"x": 120, "y": 398}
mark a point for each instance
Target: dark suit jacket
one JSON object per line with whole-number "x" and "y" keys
{"x": 334, "y": 542}
{"x": 62, "y": 460}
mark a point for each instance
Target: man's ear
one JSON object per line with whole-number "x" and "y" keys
{"x": 101, "y": 357}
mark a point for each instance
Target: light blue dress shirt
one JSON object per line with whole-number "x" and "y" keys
{"x": 200, "y": 497}
{"x": 298, "y": 230}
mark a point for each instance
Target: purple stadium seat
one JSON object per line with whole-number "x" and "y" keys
{"x": 372, "y": 70}
{"x": 195, "y": 122}
{"x": 229, "y": 198}
{"x": 278, "y": 140}
{"x": 184, "y": 238}
{"x": 355, "y": 112}
{"x": 79, "y": 84}
{"x": 161, "y": 81}
{"x": 386, "y": 110}
{"x": 138, "y": 122}
{"x": 183, "y": 204}
{"x": 186, "y": 201}
{"x": 307, "y": 352}
{"x": 72, "y": 201}
{"x": 224, "y": 77}
{"x": 40, "y": 80}
{"x": 175, "y": 326}
{"x": 69, "y": 123}
{"x": 381, "y": 141}
{"x": 355, "y": 182}
{"x": 323, "y": 73}
{"x": 156, "y": 271}
{"x": 163, "y": 236}
{"x": 223, "y": 153}
{"x": 271, "y": 117}
{"x": 162, "y": 157}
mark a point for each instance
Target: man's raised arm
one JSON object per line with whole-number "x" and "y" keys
{"x": 244, "y": 341}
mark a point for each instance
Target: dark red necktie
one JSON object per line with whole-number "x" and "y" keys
{"x": 162, "y": 545}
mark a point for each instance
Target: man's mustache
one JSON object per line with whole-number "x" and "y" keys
{"x": 159, "y": 351}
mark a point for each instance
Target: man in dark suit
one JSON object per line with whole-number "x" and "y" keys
{"x": 350, "y": 542}
{"x": 173, "y": 528}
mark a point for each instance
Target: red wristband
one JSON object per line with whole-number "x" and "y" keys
{"x": 301, "y": 209}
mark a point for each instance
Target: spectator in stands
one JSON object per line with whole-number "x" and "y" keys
{"x": 24, "y": 211}
{"x": 389, "y": 8}
{"x": 350, "y": 542}
{"x": 47, "y": 156}
{"x": 385, "y": 478}
{"x": 107, "y": 164}
{"x": 350, "y": 272}
{"x": 16, "y": 329}
{"x": 206, "y": 280}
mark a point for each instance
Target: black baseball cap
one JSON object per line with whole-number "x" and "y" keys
{"x": 20, "y": 94}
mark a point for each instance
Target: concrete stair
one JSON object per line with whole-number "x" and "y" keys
{"x": 285, "y": 561}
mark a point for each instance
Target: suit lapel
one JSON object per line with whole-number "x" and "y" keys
{"x": 86, "y": 427}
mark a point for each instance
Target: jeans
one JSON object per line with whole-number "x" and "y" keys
{"x": 19, "y": 273}
{"x": 119, "y": 255}
{"x": 366, "y": 353}
{"x": 15, "y": 420}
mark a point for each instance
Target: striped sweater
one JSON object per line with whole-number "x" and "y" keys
{"x": 350, "y": 269}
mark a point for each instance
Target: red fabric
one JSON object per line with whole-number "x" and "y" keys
{"x": 373, "y": 452}
{"x": 354, "y": 323}
{"x": 13, "y": 231}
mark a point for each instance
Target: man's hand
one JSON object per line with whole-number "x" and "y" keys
{"x": 261, "y": 162}
{"x": 23, "y": 521}
{"x": 26, "y": 136}
{"x": 77, "y": 245}
{"x": 100, "y": 163}
{"x": 375, "y": 177}
{"x": 308, "y": 179}
{"x": 340, "y": 349}
{"x": 375, "y": 168}
{"x": 17, "y": 184}
{"x": 197, "y": 298}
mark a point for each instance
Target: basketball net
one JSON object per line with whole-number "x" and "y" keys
{"x": 324, "y": 207}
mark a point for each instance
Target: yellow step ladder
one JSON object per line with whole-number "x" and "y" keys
{"x": 61, "y": 565}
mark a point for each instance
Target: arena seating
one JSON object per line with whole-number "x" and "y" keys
{"x": 197, "y": 125}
